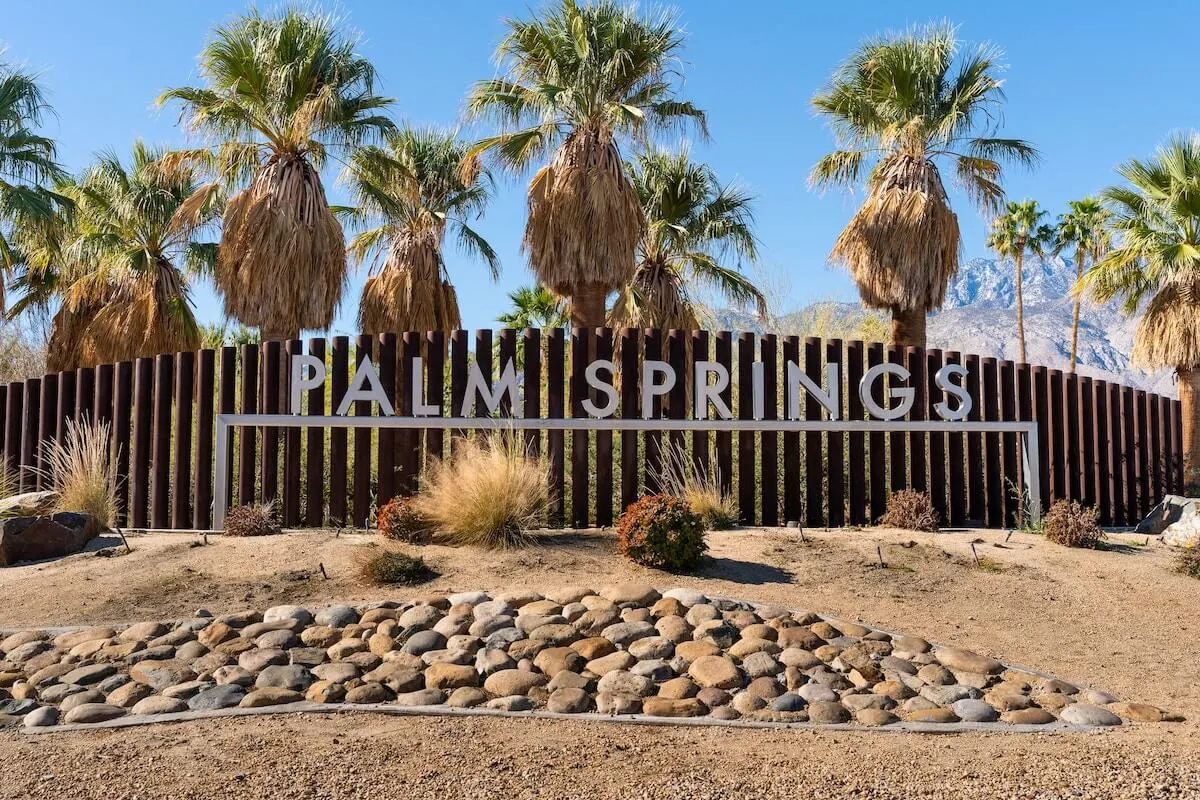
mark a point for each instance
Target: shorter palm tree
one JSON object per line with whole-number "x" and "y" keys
{"x": 1014, "y": 233}
{"x": 1155, "y": 269}
{"x": 1084, "y": 227}
{"x": 137, "y": 240}
{"x": 408, "y": 195}
{"x": 693, "y": 224}
{"x": 535, "y": 307}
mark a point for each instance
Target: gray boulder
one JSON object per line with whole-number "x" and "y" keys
{"x": 39, "y": 538}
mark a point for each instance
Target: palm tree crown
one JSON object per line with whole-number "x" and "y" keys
{"x": 693, "y": 224}
{"x": 407, "y": 195}
{"x": 282, "y": 92}
{"x": 576, "y": 78}
{"x": 900, "y": 106}
{"x": 1085, "y": 228}
{"x": 1019, "y": 230}
{"x": 534, "y": 307}
{"x": 27, "y": 163}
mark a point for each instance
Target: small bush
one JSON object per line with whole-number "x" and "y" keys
{"x": 1072, "y": 525}
{"x": 491, "y": 493}
{"x": 1187, "y": 561}
{"x": 399, "y": 521}
{"x": 911, "y": 511}
{"x": 662, "y": 531}
{"x": 386, "y": 568}
{"x": 252, "y": 520}
{"x": 82, "y": 473}
{"x": 700, "y": 489}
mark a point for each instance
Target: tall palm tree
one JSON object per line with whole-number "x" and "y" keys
{"x": 574, "y": 81}
{"x": 1084, "y": 227}
{"x": 1014, "y": 233}
{"x": 408, "y": 195}
{"x": 27, "y": 165}
{"x": 900, "y": 106}
{"x": 138, "y": 239}
{"x": 534, "y": 307}
{"x": 1155, "y": 268}
{"x": 283, "y": 92}
{"x": 693, "y": 223}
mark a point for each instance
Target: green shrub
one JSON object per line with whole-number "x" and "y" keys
{"x": 386, "y": 568}
{"x": 911, "y": 511}
{"x": 252, "y": 520}
{"x": 1187, "y": 561}
{"x": 1072, "y": 525}
{"x": 662, "y": 531}
{"x": 399, "y": 521}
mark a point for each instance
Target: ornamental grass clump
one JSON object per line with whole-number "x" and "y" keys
{"x": 81, "y": 471}
{"x": 252, "y": 520}
{"x": 491, "y": 493}
{"x": 1187, "y": 561}
{"x": 701, "y": 490}
{"x": 911, "y": 511}
{"x": 1072, "y": 525}
{"x": 399, "y": 521}
{"x": 387, "y": 568}
{"x": 662, "y": 531}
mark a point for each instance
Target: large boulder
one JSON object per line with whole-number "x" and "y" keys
{"x": 1177, "y": 519}
{"x": 38, "y": 538}
{"x": 30, "y": 504}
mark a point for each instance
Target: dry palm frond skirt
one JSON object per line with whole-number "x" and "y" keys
{"x": 656, "y": 298}
{"x": 68, "y": 331}
{"x": 141, "y": 320}
{"x": 282, "y": 261}
{"x": 1169, "y": 332}
{"x": 410, "y": 291}
{"x": 902, "y": 245}
{"x": 585, "y": 219}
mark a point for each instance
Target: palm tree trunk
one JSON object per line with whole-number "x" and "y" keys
{"x": 587, "y": 306}
{"x": 1189, "y": 395}
{"x": 908, "y": 326}
{"x": 1075, "y": 315}
{"x": 1020, "y": 305}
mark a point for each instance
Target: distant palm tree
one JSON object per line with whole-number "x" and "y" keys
{"x": 137, "y": 239}
{"x": 1155, "y": 268}
{"x": 283, "y": 92}
{"x": 577, "y": 78}
{"x": 534, "y": 307}
{"x": 898, "y": 106}
{"x": 27, "y": 166}
{"x": 1014, "y": 233}
{"x": 407, "y": 196}
{"x": 1086, "y": 228}
{"x": 693, "y": 223}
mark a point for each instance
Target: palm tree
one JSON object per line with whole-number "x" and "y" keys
{"x": 27, "y": 163}
{"x": 138, "y": 238}
{"x": 1085, "y": 227}
{"x": 578, "y": 78}
{"x": 1014, "y": 233}
{"x": 1155, "y": 268}
{"x": 283, "y": 93}
{"x": 407, "y": 196}
{"x": 693, "y": 223}
{"x": 899, "y": 106}
{"x": 534, "y": 307}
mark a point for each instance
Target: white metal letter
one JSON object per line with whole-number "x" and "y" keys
{"x": 367, "y": 374}
{"x": 942, "y": 379}
{"x": 299, "y": 382}
{"x": 419, "y": 407}
{"x": 758, "y": 381}
{"x": 491, "y": 399}
{"x": 706, "y": 393}
{"x": 830, "y": 399}
{"x": 591, "y": 374}
{"x": 905, "y": 393}
{"x": 651, "y": 388}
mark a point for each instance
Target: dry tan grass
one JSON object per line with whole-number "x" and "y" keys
{"x": 902, "y": 246}
{"x": 491, "y": 493}
{"x": 282, "y": 261}
{"x": 410, "y": 292}
{"x": 585, "y": 222}
{"x": 700, "y": 489}
{"x": 81, "y": 471}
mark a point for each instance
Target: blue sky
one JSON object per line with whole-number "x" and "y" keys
{"x": 1091, "y": 84}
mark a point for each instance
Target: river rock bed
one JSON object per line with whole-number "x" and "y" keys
{"x": 620, "y": 650}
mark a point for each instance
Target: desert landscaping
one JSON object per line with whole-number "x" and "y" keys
{"x": 1027, "y": 603}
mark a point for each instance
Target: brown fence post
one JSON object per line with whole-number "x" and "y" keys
{"x": 604, "y": 442}
{"x": 1129, "y": 473}
{"x": 556, "y": 363}
{"x": 203, "y": 486}
{"x": 700, "y": 439}
{"x": 13, "y": 423}
{"x": 652, "y": 338}
{"x": 388, "y": 438}
{"x": 85, "y": 392}
{"x": 1104, "y": 470}
{"x": 859, "y": 515}
{"x": 1074, "y": 449}
{"x": 768, "y": 350}
{"x": 291, "y": 444}
{"x": 1087, "y": 445}
{"x": 269, "y": 403}
{"x": 1009, "y": 443}
{"x": 66, "y": 401}
{"x": 836, "y": 454}
{"x": 435, "y": 382}
{"x": 160, "y": 493}
{"x": 580, "y": 474}
{"x": 47, "y": 426}
{"x": 181, "y": 474}
{"x": 314, "y": 461}
{"x": 723, "y": 347}
{"x": 1144, "y": 429}
{"x": 361, "y": 482}
{"x": 747, "y": 488}
{"x": 793, "y": 489}
{"x": 122, "y": 423}
{"x": 105, "y": 374}
{"x": 226, "y": 404}
{"x": 878, "y": 442}
{"x": 30, "y": 450}
{"x": 814, "y": 468}
{"x": 898, "y": 440}
{"x": 143, "y": 416}
{"x": 993, "y": 481}
{"x": 937, "y": 439}
{"x": 630, "y": 388}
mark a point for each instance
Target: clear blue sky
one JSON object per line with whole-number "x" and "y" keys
{"x": 1090, "y": 84}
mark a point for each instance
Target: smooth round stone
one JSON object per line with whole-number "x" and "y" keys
{"x": 15, "y": 708}
{"x": 1028, "y": 716}
{"x": 816, "y": 693}
{"x": 42, "y": 717}
{"x": 622, "y": 682}
{"x": 276, "y": 639}
{"x": 77, "y": 699}
{"x": 640, "y": 594}
{"x": 502, "y": 639}
{"x": 128, "y": 695}
{"x": 424, "y": 641}
{"x": 593, "y": 621}
{"x": 492, "y": 608}
{"x": 259, "y": 659}
{"x": 745, "y": 703}
{"x": 15, "y": 640}
{"x": 187, "y": 689}
{"x": 469, "y": 598}
{"x": 678, "y": 689}
{"x": 652, "y": 647}
{"x": 824, "y": 713}
{"x": 450, "y": 676}
{"x": 1088, "y": 715}
{"x": 513, "y": 682}
{"x": 765, "y": 687}
{"x": 565, "y": 595}
{"x": 724, "y": 713}
{"x": 935, "y": 675}
{"x": 674, "y": 629}
{"x": 611, "y": 662}
{"x": 86, "y": 676}
{"x": 190, "y": 651}
{"x": 290, "y": 676}
{"x": 92, "y": 712}
{"x": 336, "y": 616}
{"x": 298, "y": 616}
{"x": 218, "y": 697}
{"x": 419, "y": 617}
{"x": 789, "y": 701}
{"x": 421, "y": 697}
{"x": 567, "y": 700}
{"x": 689, "y": 597}
{"x": 573, "y": 611}
{"x": 715, "y": 671}
{"x": 875, "y": 717}
{"x": 593, "y": 647}
{"x": 713, "y": 697}
{"x": 1098, "y": 698}
{"x": 654, "y": 669}
{"x": 966, "y": 661}
{"x": 491, "y": 660}
{"x": 56, "y": 693}
{"x": 336, "y": 672}
{"x": 519, "y": 598}
{"x": 514, "y": 702}
{"x": 798, "y": 658}
{"x": 466, "y": 697}
{"x": 969, "y": 710}
{"x": 717, "y": 633}
{"x": 857, "y": 702}
{"x": 620, "y": 704}
{"x": 948, "y": 695}
{"x": 270, "y": 696}
{"x": 568, "y": 680}
{"x": 158, "y": 704}
{"x": 554, "y": 660}
{"x": 666, "y": 707}
{"x": 369, "y": 693}
{"x": 624, "y": 633}
{"x": 757, "y": 665}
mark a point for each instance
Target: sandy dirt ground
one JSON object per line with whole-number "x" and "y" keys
{"x": 1117, "y": 619}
